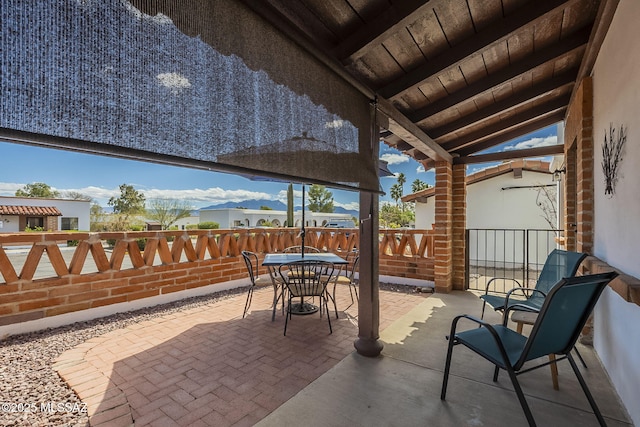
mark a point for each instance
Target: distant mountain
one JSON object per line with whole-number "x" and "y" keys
{"x": 250, "y": 204}
{"x": 273, "y": 204}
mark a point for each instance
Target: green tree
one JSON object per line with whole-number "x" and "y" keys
{"x": 290, "y": 205}
{"x": 265, "y": 208}
{"x": 392, "y": 216}
{"x": 38, "y": 189}
{"x": 97, "y": 218}
{"x": 320, "y": 199}
{"x": 130, "y": 201}
{"x": 396, "y": 193}
{"x": 401, "y": 180}
{"x": 168, "y": 211}
{"x": 418, "y": 185}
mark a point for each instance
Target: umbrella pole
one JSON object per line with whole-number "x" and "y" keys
{"x": 302, "y": 232}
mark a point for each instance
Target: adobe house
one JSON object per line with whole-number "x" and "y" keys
{"x": 18, "y": 213}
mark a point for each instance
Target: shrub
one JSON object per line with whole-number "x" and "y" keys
{"x": 208, "y": 225}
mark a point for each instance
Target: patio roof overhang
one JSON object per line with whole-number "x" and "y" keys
{"x": 454, "y": 77}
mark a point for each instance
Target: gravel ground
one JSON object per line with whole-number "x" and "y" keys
{"x": 32, "y": 393}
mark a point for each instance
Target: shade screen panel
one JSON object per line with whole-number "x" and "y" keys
{"x": 208, "y": 82}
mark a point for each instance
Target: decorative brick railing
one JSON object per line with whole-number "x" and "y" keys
{"x": 93, "y": 274}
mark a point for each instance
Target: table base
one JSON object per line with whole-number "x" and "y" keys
{"x": 303, "y": 308}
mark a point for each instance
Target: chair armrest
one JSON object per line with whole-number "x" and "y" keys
{"x": 523, "y": 307}
{"x": 486, "y": 291}
{"x": 481, "y": 323}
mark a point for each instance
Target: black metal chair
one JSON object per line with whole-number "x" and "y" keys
{"x": 252, "y": 263}
{"x": 306, "y": 278}
{"x": 346, "y": 276}
{"x": 562, "y": 316}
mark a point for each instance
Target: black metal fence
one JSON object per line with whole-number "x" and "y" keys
{"x": 514, "y": 254}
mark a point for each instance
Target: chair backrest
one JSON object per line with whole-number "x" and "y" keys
{"x": 307, "y": 277}
{"x": 559, "y": 265}
{"x": 251, "y": 261}
{"x": 563, "y": 315}
{"x": 354, "y": 266}
{"x": 298, "y": 249}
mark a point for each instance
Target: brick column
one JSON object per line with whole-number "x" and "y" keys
{"x": 579, "y": 158}
{"x": 459, "y": 211}
{"x": 443, "y": 233}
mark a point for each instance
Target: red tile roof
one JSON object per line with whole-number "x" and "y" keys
{"x": 30, "y": 210}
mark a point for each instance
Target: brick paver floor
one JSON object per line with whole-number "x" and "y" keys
{"x": 209, "y": 366}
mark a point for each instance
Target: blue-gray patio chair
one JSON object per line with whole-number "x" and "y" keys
{"x": 558, "y": 265}
{"x": 562, "y": 316}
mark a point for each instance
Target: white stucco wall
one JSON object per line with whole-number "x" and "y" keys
{"x": 253, "y": 217}
{"x": 616, "y": 82}
{"x": 490, "y": 205}
{"x": 69, "y": 208}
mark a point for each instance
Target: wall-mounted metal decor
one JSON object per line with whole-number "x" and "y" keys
{"x": 612, "y": 156}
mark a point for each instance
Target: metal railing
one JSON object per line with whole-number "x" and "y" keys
{"x": 515, "y": 254}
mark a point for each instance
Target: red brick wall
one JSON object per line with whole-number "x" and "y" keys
{"x": 579, "y": 185}
{"x": 410, "y": 267}
{"x": 23, "y": 301}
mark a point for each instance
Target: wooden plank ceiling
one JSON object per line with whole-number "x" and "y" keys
{"x": 467, "y": 74}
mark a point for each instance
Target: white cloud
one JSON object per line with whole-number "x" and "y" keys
{"x": 174, "y": 81}
{"x": 199, "y": 197}
{"x": 351, "y": 206}
{"x": 335, "y": 124}
{"x": 534, "y": 143}
{"x": 394, "y": 159}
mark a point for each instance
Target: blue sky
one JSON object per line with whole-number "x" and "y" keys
{"x": 100, "y": 176}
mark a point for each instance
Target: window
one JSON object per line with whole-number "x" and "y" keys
{"x": 34, "y": 222}
{"x": 69, "y": 224}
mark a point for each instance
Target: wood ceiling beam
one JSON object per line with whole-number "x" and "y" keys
{"x": 377, "y": 30}
{"x": 529, "y": 95}
{"x": 509, "y": 122}
{"x": 532, "y": 126}
{"x": 549, "y": 150}
{"x": 551, "y": 53}
{"x": 401, "y": 126}
{"x": 492, "y": 34}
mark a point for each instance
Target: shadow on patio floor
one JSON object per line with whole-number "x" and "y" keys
{"x": 208, "y": 366}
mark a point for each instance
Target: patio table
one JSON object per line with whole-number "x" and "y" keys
{"x": 272, "y": 261}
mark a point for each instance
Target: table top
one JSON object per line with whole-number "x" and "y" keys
{"x": 280, "y": 258}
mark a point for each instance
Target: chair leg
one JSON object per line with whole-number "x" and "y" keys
{"x": 333, "y": 298}
{"x": 521, "y": 399}
{"x": 328, "y": 315}
{"x": 580, "y": 357}
{"x": 587, "y": 393}
{"x": 286, "y": 318}
{"x": 484, "y": 304}
{"x": 447, "y": 366}
{"x": 247, "y": 304}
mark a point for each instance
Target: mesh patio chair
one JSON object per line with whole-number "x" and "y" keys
{"x": 562, "y": 316}
{"x": 559, "y": 265}
{"x": 306, "y": 278}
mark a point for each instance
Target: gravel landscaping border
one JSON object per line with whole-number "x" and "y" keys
{"x": 32, "y": 393}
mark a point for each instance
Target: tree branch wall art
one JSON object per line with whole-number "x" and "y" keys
{"x": 612, "y": 156}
